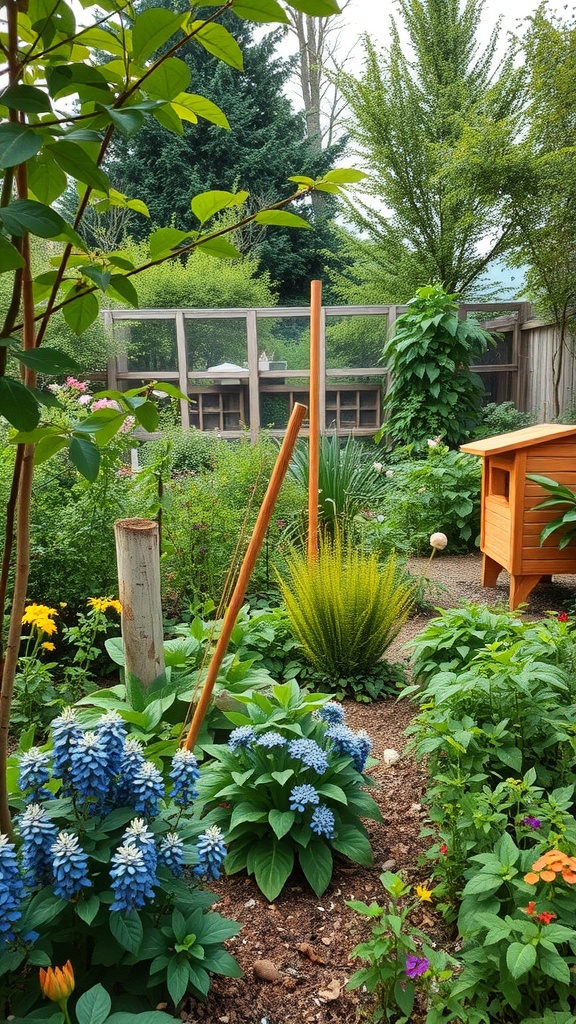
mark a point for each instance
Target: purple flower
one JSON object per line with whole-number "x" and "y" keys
{"x": 531, "y": 822}
{"x": 415, "y": 966}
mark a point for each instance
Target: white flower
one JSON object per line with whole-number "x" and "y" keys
{"x": 433, "y": 442}
{"x": 378, "y": 467}
{"x": 438, "y": 541}
{"x": 389, "y": 473}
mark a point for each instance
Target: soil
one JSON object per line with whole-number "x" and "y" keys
{"x": 309, "y": 940}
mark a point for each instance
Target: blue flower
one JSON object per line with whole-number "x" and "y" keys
{"x": 211, "y": 853}
{"x": 323, "y": 822}
{"x": 69, "y": 866}
{"x": 343, "y": 740}
{"x": 363, "y": 748}
{"x": 184, "y": 774}
{"x": 139, "y": 835}
{"x": 332, "y": 713}
{"x": 171, "y": 853}
{"x": 111, "y": 733}
{"x": 34, "y": 774}
{"x": 131, "y": 882}
{"x": 11, "y": 889}
{"x": 301, "y": 796}
{"x": 38, "y": 833}
{"x": 310, "y": 754}
{"x": 66, "y": 732}
{"x": 270, "y": 739}
{"x": 148, "y": 789}
{"x": 243, "y": 736}
{"x": 89, "y": 770}
{"x": 130, "y": 765}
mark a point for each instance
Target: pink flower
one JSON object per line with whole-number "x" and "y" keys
{"x": 443, "y": 849}
{"x": 71, "y": 382}
{"x": 104, "y": 403}
{"x": 84, "y": 399}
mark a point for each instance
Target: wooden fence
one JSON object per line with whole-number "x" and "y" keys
{"x": 229, "y": 399}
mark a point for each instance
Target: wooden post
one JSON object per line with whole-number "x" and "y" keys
{"x": 314, "y": 417}
{"x": 138, "y": 557}
{"x": 256, "y": 540}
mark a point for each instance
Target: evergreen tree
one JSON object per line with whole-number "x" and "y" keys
{"x": 266, "y": 141}
{"x": 437, "y": 127}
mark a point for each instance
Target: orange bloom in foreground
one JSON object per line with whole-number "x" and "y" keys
{"x": 57, "y": 983}
{"x": 551, "y": 864}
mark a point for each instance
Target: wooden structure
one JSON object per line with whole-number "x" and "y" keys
{"x": 510, "y": 525}
{"x": 350, "y": 397}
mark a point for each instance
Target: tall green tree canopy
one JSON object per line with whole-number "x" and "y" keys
{"x": 421, "y": 115}
{"x": 266, "y": 140}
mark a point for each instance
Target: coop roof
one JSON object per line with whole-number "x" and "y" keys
{"x": 524, "y": 438}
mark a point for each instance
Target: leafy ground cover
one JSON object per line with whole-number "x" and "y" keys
{"x": 309, "y": 940}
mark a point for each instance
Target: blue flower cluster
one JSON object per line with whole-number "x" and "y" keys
{"x": 211, "y": 853}
{"x": 243, "y": 736}
{"x": 356, "y": 745}
{"x": 101, "y": 770}
{"x": 310, "y": 753}
{"x": 301, "y": 796}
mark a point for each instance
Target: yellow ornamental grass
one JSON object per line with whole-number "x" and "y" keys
{"x": 345, "y": 607}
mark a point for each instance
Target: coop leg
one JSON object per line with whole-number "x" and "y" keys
{"x": 520, "y": 587}
{"x": 490, "y": 571}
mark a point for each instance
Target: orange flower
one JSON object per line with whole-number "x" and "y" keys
{"x": 57, "y": 983}
{"x": 551, "y": 864}
{"x": 530, "y": 908}
{"x": 545, "y": 917}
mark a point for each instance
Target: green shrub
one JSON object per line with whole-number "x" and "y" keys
{"x": 344, "y": 607}
{"x": 433, "y": 392}
{"x": 501, "y": 418}
{"x": 289, "y": 787}
{"x": 189, "y": 451}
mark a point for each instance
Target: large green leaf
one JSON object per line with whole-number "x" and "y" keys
{"x": 206, "y": 204}
{"x": 189, "y": 106}
{"x": 46, "y": 360}
{"x": 75, "y": 161}
{"x": 151, "y": 30}
{"x": 281, "y": 218}
{"x": 10, "y": 258}
{"x": 344, "y": 176}
{"x": 18, "y": 405}
{"x": 170, "y": 78}
{"x": 87, "y": 81}
{"x": 220, "y": 248}
{"x": 125, "y": 120}
{"x": 123, "y": 288}
{"x": 353, "y": 843}
{"x": 165, "y": 240}
{"x": 84, "y": 454}
{"x": 272, "y": 863}
{"x": 27, "y": 98}
{"x": 147, "y": 416}
{"x": 48, "y": 447}
{"x": 281, "y": 821}
{"x": 260, "y": 10}
{"x": 25, "y": 215}
{"x": 17, "y": 144}
{"x": 82, "y": 311}
{"x": 46, "y": 179}
{"x": 126, "y": 930}
{"x": 316, "y": 863}
{"x": 100, "y": 39}
{"x": 217, "y": 40}
{"x": 177, "y": 978}
{"x": 317, "y": 8}
{"x": 93, "y": 1006}
{"x": 520, "y": 957}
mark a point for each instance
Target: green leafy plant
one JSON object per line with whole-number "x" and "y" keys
{"x": 560, "y": 495}
{"x": 347, "y": 481}
{"x": 450, "y": 641}
{"x": 99, "y": 874}
{"x": 433, "y": 392}
{"x": 289, "y": 788}
{"x": 402, "y": 962}
{"x": 501, "y": 418}
{"x": 344, "y": 607}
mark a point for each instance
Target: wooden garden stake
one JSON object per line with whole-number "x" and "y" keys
{"x": 256, "y": 540}
{"x": 138, "y": 557}
{"x": 314, "y": 417}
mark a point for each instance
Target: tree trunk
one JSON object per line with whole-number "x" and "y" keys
{"x": 138, "y": 556}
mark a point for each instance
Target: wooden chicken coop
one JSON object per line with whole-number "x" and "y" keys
{"x": 510, "y": 524}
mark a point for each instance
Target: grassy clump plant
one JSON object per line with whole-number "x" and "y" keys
{"x": 345, "y": 607}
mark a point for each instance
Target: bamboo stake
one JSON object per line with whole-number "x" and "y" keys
{"x": 138, "y": 557}
{"x": 256, "y": 541}
{"x": 314, "y": 417}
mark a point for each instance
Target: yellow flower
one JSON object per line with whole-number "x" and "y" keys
{"x": 57, "y": 983}
{"x": 102, "y": 604}
{"x": 424, "y": 894}
{"x": 40, "y": 616}
{"x": 48, "y": 646}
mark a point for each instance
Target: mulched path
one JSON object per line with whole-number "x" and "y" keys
{"x": 309, "y": 940}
